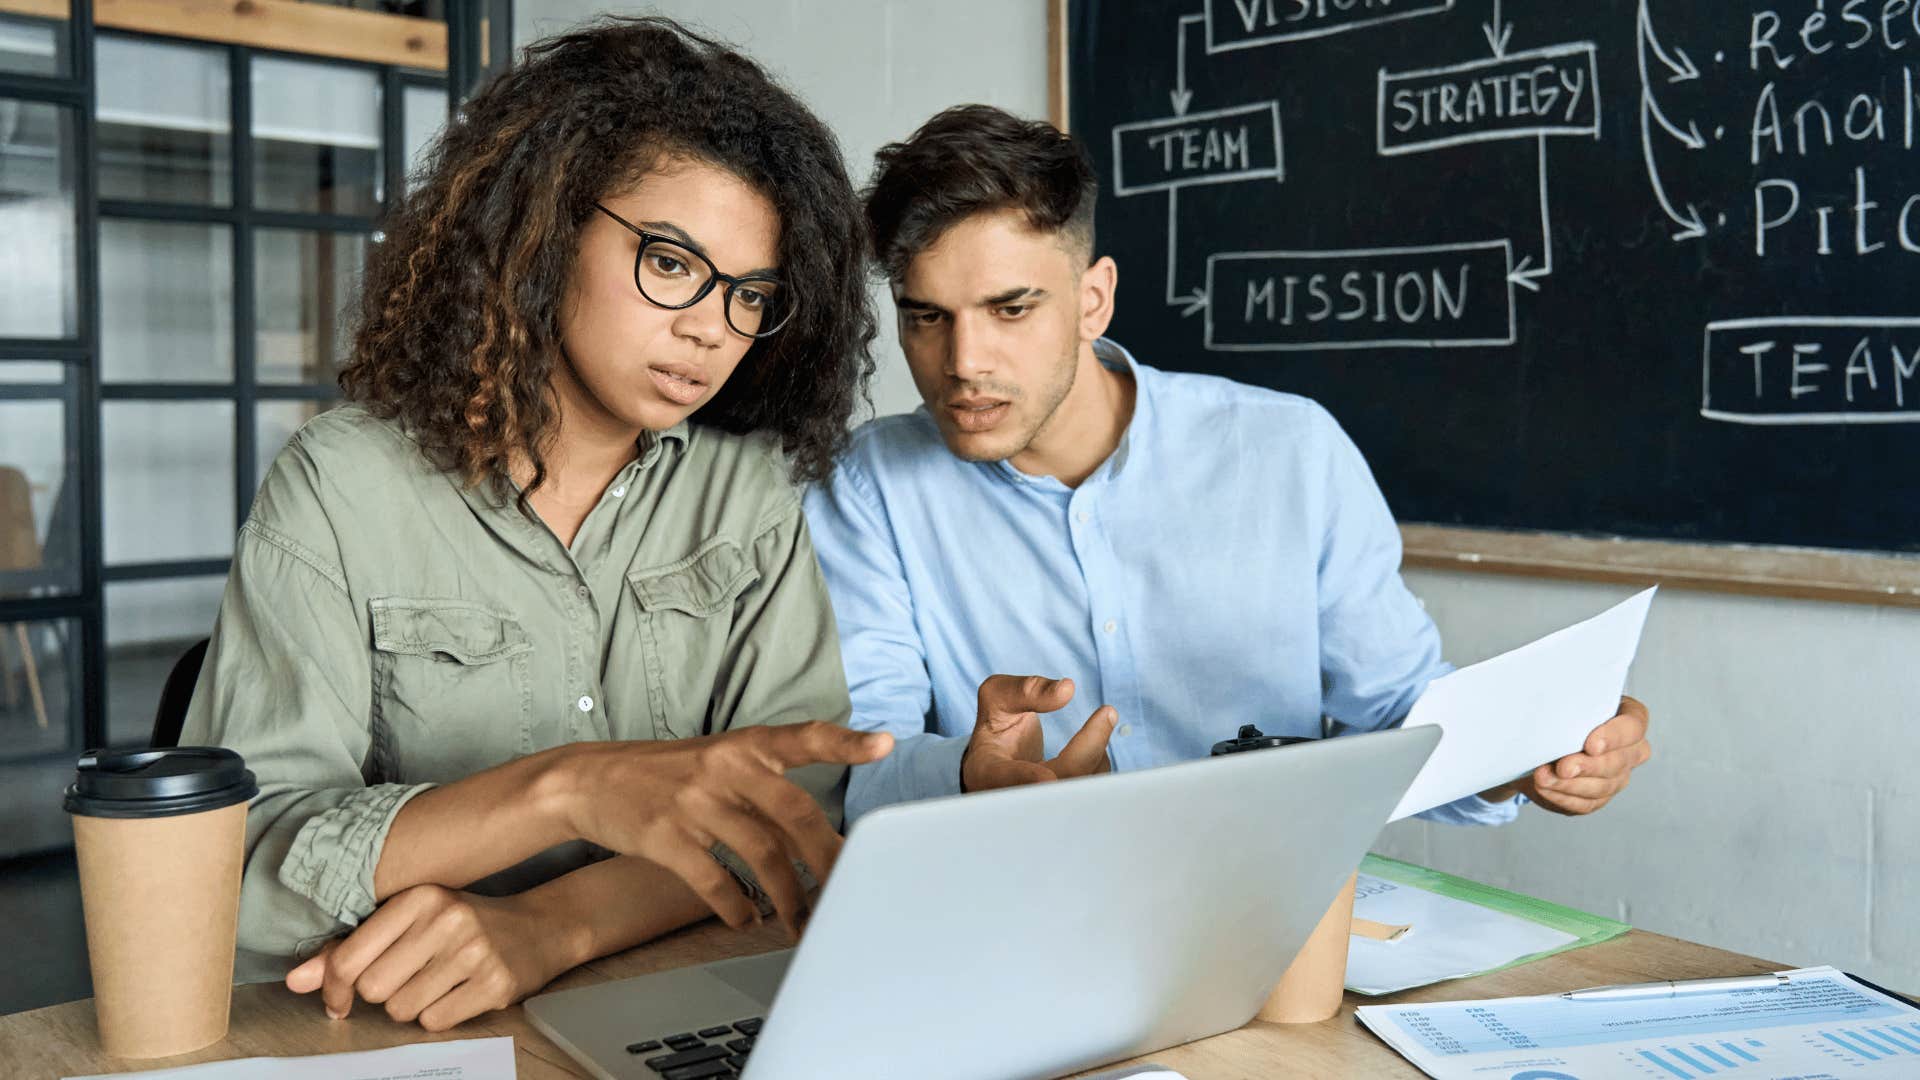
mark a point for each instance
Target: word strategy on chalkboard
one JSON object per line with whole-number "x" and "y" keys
{"x": 1438, "y": 295}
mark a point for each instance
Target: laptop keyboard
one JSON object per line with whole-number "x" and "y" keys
{"x": 703, "y": 1055}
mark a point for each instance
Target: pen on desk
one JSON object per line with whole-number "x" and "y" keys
{"x": 1629, "y": 991}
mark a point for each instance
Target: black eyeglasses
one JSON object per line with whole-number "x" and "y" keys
{"x": 674, "y": 276}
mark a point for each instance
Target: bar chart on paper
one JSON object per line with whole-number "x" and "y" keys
{"x": 1822, "y": 1024}
{"x": 1848, "y": 1048}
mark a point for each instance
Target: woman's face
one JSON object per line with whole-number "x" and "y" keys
{"x": 633, "y": 364}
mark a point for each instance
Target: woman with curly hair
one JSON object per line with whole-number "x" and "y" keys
{"x": 539, "y": 605}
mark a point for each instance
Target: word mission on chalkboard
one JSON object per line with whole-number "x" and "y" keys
{"x": 1472, "y": 227}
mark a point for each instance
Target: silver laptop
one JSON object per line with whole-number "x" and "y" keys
{"x": 1024, "y": 933}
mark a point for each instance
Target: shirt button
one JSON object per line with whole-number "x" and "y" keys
{"x": 1124, "y": 729}
{"x": 1111, "y": 626}
{"x": 1081, "y": 517}
{"x": 585, "y": 703}
{"x": 619, "y": 491}
{"x": 583, "y": 592}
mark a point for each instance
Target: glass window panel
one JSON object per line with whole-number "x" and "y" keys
{"x": 166, "y": 301}
{"x": 168, "y": 486}
{"x": 274, "y": 423}
{"x": 305, "y": 284}
{"x": 423, "y": 114}
{"x": 34, "y": 46}
{"x": 316, "y": 130}
{"x": 38, "y": 294}
{"x": 32, "y": 371}
{"x": 149, "y": 624}
{"x": 38, "y": 663}
{"x": 39, "y": 500}
{"x": 165, "y": 131}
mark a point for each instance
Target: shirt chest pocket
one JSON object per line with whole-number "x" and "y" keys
{"x": 451, "y": 688}
{"x": 687, "y": 612}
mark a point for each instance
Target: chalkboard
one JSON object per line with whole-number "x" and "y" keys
{"x": 1647, "y": 268}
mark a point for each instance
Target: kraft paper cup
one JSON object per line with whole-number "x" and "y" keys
{"x": 1314, "y": 985}
{"x": 160, "y": 838}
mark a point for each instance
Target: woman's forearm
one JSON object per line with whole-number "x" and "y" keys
{"x": 613, "y": 905}
{"x": 458, "y": 833}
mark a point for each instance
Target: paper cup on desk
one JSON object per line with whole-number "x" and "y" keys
{"x": 160, "y": 836}
{"x": 1315, "y": 983}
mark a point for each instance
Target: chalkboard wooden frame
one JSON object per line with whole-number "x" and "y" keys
{"x": 1754, "y": 570}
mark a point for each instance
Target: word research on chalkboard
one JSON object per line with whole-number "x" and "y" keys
{"x": 1775, "y": 138}
{"x": 1817, "y": 163}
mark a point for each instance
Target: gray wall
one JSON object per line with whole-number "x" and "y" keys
{"x": 1781, "y": 816}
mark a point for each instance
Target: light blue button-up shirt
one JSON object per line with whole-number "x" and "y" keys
{"x": 1233, "y": 562}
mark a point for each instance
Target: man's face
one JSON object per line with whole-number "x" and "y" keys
{"x": 990, "y": 322}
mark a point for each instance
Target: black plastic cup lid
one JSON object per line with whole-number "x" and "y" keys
{"x": 158, "y": 783}
{"x": 1251, "y": 739}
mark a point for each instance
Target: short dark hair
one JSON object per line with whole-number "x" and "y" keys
{"x": 970, "y": 159}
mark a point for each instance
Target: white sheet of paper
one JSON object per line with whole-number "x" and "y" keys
{"x": 1822, "y": 1024}
{"x": 458, "y": 1059}
{"x": 1450, "y": 938}
{"x": 1507, "y": 716}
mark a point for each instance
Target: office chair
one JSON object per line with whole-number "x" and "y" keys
{"x": 20, "y": 552}
{"x": 176, "y": 695}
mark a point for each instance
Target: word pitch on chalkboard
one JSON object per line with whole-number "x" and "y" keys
{"x": 1641, "y": 267}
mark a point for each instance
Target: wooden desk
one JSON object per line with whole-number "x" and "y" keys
{"x": 268, "y": 1020}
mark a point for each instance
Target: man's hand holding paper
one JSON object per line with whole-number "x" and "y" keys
{"x": 1584, "y": 782}
{"x": 1557, "y": 700}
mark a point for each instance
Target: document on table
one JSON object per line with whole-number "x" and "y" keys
{"x": 1505, "y": 717}
{"x": 459, "y": 1059}
{"x": 1822, "y": 1024}
{"x": 1456, "y": 927}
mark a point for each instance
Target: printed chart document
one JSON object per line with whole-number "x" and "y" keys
{"x": 459, "y": 1059}
{"x": 1507, "y": 716}
{"x": 1456, "y": 927}
{"x": 1821, "y": 1025}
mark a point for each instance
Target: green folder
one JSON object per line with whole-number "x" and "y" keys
{"x": 1586, "y": 929}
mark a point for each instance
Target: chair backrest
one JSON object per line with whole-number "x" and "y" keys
{"x": 19, "y": 540}
{"x": 176, "y": 695}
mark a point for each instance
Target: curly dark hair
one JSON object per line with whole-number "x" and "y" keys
{"x": 460, "y": 309}
{"x": 975, "y": 158}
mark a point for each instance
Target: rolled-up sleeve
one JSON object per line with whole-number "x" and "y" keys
{"x": 885, "y": 657}
{"x": 287, "y": 684}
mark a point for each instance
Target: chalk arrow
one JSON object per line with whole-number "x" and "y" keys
{"x": 1192, "y": 300}
{"x": 1182, "y": 97}
{"x": 1523, "y": 275}
{"x": 1691, "y": 226}
{"x": 1526, "y": 278}
{"x": 1497, "y": 31}
{"x": 1679, "y": 65}
{"x": 1690, "y": 138}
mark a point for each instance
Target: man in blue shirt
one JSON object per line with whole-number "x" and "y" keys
{"x": 1182, "y": 554}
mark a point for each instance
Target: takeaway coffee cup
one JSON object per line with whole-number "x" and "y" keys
{"x": 1311, "y": 988}
{"x": 160, "y": 836}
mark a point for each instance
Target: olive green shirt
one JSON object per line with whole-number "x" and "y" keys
{"x": 386, "y": 629}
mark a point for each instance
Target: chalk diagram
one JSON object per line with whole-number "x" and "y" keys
{"x": 1811, "y": 109}
{"x": 1813, "y": 369}
{"x": 1451, "y": 295}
